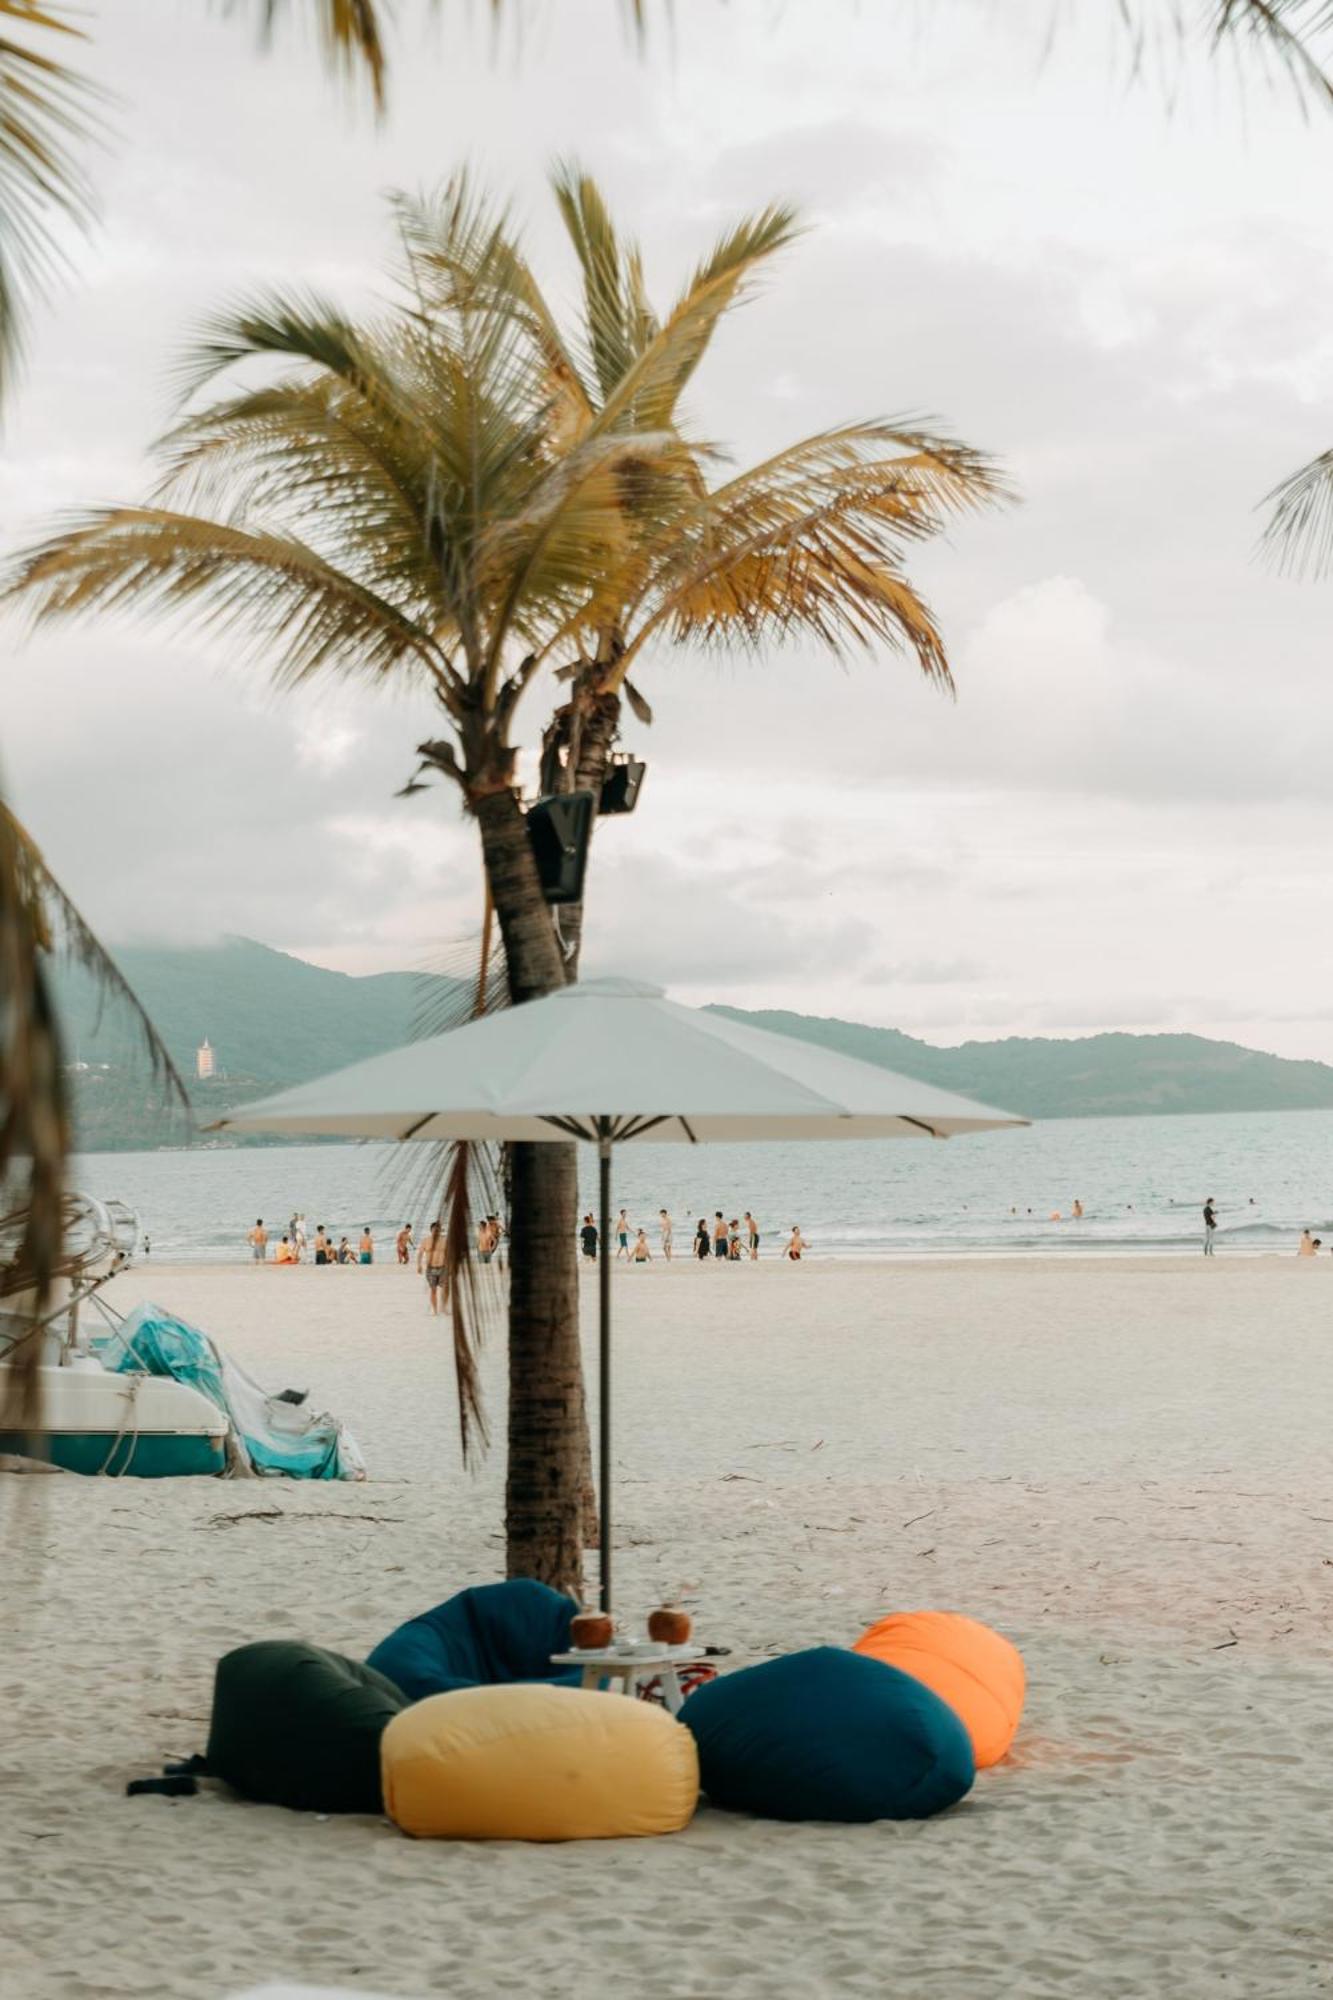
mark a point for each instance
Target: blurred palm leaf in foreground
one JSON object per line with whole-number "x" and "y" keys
{"x": 37, "y": 919}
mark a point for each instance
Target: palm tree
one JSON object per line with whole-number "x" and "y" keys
{"x": 441, "y": 493}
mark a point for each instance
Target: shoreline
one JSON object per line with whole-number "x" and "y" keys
{"x": 831, "y": 1260}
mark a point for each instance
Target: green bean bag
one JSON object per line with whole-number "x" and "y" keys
{"x": 296, "y": 1726}
{"x": 828, "y": 1735}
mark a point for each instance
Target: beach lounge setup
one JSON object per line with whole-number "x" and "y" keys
{"x": 457, "y": 1728}
{"x": 488, "y": 1742}
{"x": 610, "y": 1061}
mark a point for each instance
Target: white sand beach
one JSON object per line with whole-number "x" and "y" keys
{"x": 1124, "y": 1465}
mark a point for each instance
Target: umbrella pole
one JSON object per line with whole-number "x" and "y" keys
{"x": 604, "y": 1365}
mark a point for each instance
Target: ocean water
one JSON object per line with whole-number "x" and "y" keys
{"x": 1142, "y": 1182}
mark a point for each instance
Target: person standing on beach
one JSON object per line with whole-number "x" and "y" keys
{"x": 1209, "y": 1226}
{"x": 258, "y": 1241}
{"x": 667, "y": 1228}
{"x": 1307, "y": 1246}
{"x": 701, "y": 1241}
{"x": 323, "y": 1248}
{"x": 752, "y": 1236}
{"x": 366, "y": 1248}
{"x": 795, "y": 1244}
{"x": 622, "y": 1235}
{"x": 403, "y": 1244}
{"x": 588, "y": 1239}
{"x": 719, "y": 1234}
{"x": 430, "y": 1258}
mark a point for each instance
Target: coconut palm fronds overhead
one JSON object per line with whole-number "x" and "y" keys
{"x": 1299, "y": 535}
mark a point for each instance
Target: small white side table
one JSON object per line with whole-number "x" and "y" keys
{"x": 625, "y": 1668}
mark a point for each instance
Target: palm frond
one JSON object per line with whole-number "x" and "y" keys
{"x": 459, "y": 1181}
{"x": 725, "y": 279}
{"x": 38, "y": 919}
{"x": 34, "y": 1120}
{"x": 813, "y": 541}
{"x": 61, "y": 930}
{"x": 46, "y": 116}
{"x": 642, "y": 365}
{"x": 460, "y": 252}
{"x": 575, "y": 532}
{"x": 1284, "y": 29}
{"x": 1299, "y": 535}
{"x": 609, "y": 309}
{"x": 273, "y": 591}
{"x": 351, "y": 34}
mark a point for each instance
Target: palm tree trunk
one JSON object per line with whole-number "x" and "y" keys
{"x": 548, "y": 1424}
{"x": 586, "y": 729}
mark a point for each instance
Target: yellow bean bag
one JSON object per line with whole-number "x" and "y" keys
{"x": 979, "y": 1673}
{"x": 533, "y": 1762}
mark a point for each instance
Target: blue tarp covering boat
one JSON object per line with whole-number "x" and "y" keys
{"x": 271, "y": 1435}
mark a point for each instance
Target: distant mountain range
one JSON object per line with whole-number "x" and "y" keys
{"x": 274, "y": 1020}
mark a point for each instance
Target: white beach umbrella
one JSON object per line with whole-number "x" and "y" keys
{"x": 611, "y": 1061}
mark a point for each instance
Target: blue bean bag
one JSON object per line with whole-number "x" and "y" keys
{"x": 828, "y": 1735}
{"x": 485, "y": 1637}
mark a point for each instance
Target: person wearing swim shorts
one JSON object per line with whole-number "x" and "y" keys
{"x": 430, "y": 1258}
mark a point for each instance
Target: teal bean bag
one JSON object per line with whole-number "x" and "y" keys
{"x": 296, "y": 1726}
{"x": 828, "y": 1735}
{"x": 488, "y": 1636}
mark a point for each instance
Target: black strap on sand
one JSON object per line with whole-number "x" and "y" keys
{"x": 177, "y": 1781}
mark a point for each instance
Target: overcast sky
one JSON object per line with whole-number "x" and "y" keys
{"x": 1126, "y": 819}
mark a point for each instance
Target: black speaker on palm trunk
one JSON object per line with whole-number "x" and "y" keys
{"x": 620, "y": 787}
{"x": 559, "y": 829}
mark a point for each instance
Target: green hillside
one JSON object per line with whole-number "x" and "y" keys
{"x": 274, "y": 1020}
{"x": 1096, "y": 1076}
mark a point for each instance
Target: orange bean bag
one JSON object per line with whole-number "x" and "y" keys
{"x": 979, "y": 1673}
